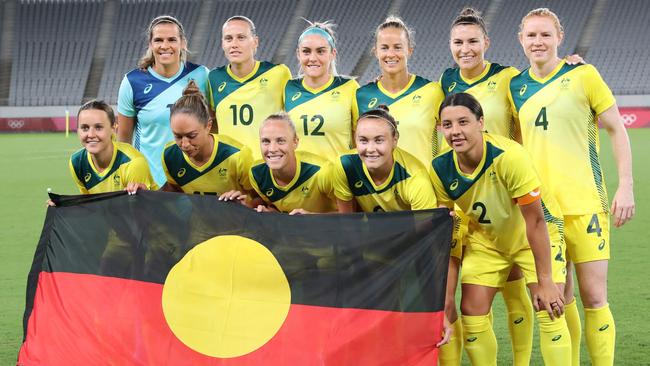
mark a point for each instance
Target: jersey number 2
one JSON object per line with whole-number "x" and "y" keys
{"x": 481, "y": 217}
{"x": 316, "y": 131}
{"x": 244, "y": 115}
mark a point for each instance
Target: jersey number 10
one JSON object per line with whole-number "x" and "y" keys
{"x": 244, "y": 115}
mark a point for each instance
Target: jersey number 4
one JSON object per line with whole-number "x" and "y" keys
{"x": 316, "y": 131}
{"x": 541, "y": 120}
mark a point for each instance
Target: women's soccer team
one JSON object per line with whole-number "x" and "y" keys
{"x": 518, "y": 162}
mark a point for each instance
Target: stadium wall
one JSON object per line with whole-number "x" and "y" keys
{"x": 52, "y": 119}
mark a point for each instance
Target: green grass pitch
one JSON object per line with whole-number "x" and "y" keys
{"x": 30, "y": 163}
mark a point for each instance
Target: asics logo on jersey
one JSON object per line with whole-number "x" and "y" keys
{"x": 181, "y": 173}
{"x": 454, "y": 185}
{"x": 373, "y": 102}
{"x": 147, "y": 89}
{"x": 358, "y": 184}
{"x": 269, "y": 192}
{"x": 87, "y": 177}
{"x": 296, "y": 96}
{"x": 604, "y": 327}
{"x": 523, "y": 89}
{"x": 519, "y": 320}
{"x": 472, "y": 339}
{"x": 601, "y": 246}
{"x": 451, "y": 87}
{"x": 556, "y": 338}
{"x": 221, "y": 87}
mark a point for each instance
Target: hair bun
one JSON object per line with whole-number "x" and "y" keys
{"x": 191, "y": 88}
{"x": 469, "y": 12}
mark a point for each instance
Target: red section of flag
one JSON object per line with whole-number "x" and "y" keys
{"x": 81, "y": 319}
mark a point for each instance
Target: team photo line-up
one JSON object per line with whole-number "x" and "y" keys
{"x": 517, "y": 162}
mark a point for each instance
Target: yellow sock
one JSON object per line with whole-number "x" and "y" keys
{"x": 600, "y": 333}
{"x": 452, "y": 352}
{"x": 520, "y": 320}
{"x": 575, "y": 329}
{"x": 479, "y": 340}
{"x": 554, "y": 339}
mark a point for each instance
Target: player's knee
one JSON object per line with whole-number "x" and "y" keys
{"x": 593, "y": 298}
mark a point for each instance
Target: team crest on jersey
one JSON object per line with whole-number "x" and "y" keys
{"x": 305, "y": 191}
{"x": 523, "y": 89}
{"x": 416, "y": 99}
{"x": 358, "y": 184}
{"x": 147, "y": 89}
{"x": 296, "y": 96}
{"x": 264, "y": 81}
{"x": 373, "y": 103}
{"x": 221, "y": 87}
{"x": 451, "y": 87}
{"x": 493, "y": 176}
{"x": 336, "y": 94}
{"x": 564, "y": 83}
{"x": 492, "y": 85}
{"x": 223, "y": 172}
{"x": 454, "y": 185}
{"x": 269, "y": 192}
{"x": 181, "y": 173}
{"x": 87, "y": 177}
{"x": 116, "y": 180}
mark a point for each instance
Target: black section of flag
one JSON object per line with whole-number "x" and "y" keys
{"x": 384, "y": 261}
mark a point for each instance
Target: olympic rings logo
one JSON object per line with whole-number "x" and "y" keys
{"x": 629, "y": 119}
{"x": 16, "y": 124}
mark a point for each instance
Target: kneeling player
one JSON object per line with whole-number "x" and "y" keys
{"x": 492, "y": 181}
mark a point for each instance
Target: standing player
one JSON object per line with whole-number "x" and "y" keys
{"x": 488, "y": 83}
{"x": 558, "y": 107}
{"x": 320, "y": 100}
{"x": 245, "y": 91}
{"x": 490, "y": 178}
{"x": 412, "y": 99}
{"x": 200, "y": 162}
{"x": 104, "y": 165}
{"x": 287, "y": 180}
{"x": 146, "y": 93}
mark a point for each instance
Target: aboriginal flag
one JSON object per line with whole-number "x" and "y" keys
{"x": 173, "y": 279}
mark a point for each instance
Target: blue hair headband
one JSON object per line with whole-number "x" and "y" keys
{"x": 319, "y": 32}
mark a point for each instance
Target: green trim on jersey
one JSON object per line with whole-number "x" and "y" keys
{"x": 370, "y": 96}
{"x": 523, "y": 86}
{"x": 452, "y": 82}
{"x": 262, "y": 176}
{"x": 559, "y": 223}
{"x": 592, "y": 133}
{"x": 455, "y": 183}
{"x": 295, "y": 94}
{"x": 223, "y": 84}
{"x": 87, "y": 175}
{"x": 175, "y": 162}
{"x": 358, "y": 181}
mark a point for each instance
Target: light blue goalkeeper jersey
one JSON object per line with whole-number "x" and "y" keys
{"x": 148, "y": 97}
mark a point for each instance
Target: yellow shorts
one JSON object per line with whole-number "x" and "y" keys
{"x": 488, "y": 267}
{"x": 587, "y": 237}
{"x": 459, "y": 236}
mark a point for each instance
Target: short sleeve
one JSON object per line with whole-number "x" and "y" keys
{"x": 355, "y": 110}
{"x": 518, "y": 172}
{"x": 598, "y": 93}
{"x": 82, "y": 188}
{"x": 169, "y": 177}
{"x": 420, "y": 194}
{"x": 138, "y": 172}
{"x": 325, "y": 184}
{"x": 439, "y": 190}
{"x": 340, "y": 182}
{"x": 244, "y": 162}
{"x": 125, "y": 104}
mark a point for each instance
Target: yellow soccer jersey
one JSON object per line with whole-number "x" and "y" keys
{"x": 227, "y": 168}
{"x": 559, "y": 126}
{"x": 241, "y": 104}
{"x": 415, "y": 108}
{"x": 487, "y": 196}
{"x": 406, "y": 188}
{"x": 491, "y": 90}
{"x": 323, "y": 117}
{"x": 310, "y": 189}
{"x": 127, "y": 165}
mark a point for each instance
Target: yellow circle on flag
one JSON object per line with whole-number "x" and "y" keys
{"x": 227, "y": 297}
